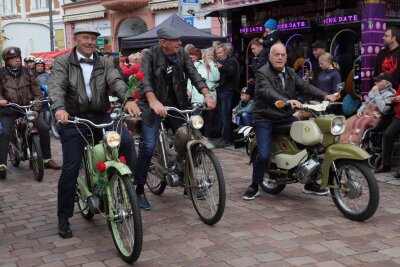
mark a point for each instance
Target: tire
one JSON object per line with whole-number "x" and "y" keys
{"x": 83, "y": 206}
{"x": 155, "y": 181}
{"x": 269, "y": 186}
{"x": 36, "y": 158}
{"x": 208, "y": 179}
{"x": 126, "y": 224}
{"x": 54, "y": 128}
{"x": 13, "y": 155}
{"x": 362, "y": 199}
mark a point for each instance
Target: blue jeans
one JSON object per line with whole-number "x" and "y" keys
{"x": 264, "y": 137}
{"x": 246, "y": 119}
{"x": 148, "y": 144}
{"x": 224, "y": 105}
{"x": 73, "y": 145}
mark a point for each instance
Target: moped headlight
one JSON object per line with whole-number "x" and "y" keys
{"x": 30, "y": 115}
{"x": 197, "y": 122}
{"x": 337, "y": 126}
{"x": 113, "y": 139}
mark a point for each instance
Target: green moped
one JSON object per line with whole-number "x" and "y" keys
{"x": 309, "y": 150}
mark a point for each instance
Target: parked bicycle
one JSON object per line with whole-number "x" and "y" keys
{"x": 47, "y": 114}
{"x": 104, "y": 186}
{"x": 25, "y": 141}
{"x": 190, "y": 163}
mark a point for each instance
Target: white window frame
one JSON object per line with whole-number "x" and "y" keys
{"x": 8, "y": 7}
{"x": 38, "y": 5}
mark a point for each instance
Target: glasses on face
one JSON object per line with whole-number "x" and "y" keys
{"x": 387, "y": 35}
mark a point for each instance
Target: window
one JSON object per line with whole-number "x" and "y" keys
{"x": 8, "y": 7}
{"x": 39, "y": 4}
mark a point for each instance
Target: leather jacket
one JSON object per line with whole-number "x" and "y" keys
{"x": 269, "y": 89}
{"x": 20, "y": 89}
{"x": 67, "y": 89}
{"x": 155, "y": 80}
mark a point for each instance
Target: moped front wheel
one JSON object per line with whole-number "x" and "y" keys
{"x": 207, "y": 186}
{"x": 124, "y": 218}
{"x": 36, "y": 158}
{"x": 355, "y": 190}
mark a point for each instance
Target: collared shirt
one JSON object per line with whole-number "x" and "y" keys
{"x": 87, "y": 73}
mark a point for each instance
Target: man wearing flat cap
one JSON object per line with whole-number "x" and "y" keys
{"x": 318, "y": 48}
{"x": 165, "y": 67}
{"x": 80, "y": 86}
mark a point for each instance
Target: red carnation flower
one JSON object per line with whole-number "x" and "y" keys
{"x": 101, "y": 167}
{"x": 139, "y": 75}
{"x": 135, "y": 95}
{"x": 122, "y": 159}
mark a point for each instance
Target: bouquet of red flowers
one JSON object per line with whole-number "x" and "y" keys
{"x": 132, "y": 89}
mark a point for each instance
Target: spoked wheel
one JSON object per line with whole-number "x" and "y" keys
{"x": 86, "y": 213}
{"x": 355, "y": 192}
{"x": 208, "y": 181}
{"x": 155, "y": 181}
{"x": 124, "y": 218}
{"x": 13, "y": 155}
{"x": 54, "y": 127}
{"x": 271, "y": 187}
{"x": 36, "y": 158}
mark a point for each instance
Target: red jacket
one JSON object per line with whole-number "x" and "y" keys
{"x": 397, "y": 106}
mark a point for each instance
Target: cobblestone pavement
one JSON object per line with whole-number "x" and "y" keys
{"x": 290, "y": 229}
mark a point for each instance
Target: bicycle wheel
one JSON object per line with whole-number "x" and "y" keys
{"x": 36, "y": 157}
{"x": 82, "y": 203}
{"x": 124, "y": 216}
{"x": 208, "y": 180}
{"x": 155, "y": 181}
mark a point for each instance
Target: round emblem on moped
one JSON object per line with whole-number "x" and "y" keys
{"x": 307, "y": 129}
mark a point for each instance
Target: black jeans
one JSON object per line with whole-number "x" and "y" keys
{"x": 73, "y": 145}
{"x": 389, "y": 137}
{"x": 7, "y": 119}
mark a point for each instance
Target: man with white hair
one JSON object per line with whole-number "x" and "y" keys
{"x": 275, "y": 81}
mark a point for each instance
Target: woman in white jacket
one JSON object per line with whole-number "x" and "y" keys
{"x": 207, "y": 69}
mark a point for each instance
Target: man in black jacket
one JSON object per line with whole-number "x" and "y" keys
{"x": 276, "y": 82}
{"x": 388, "y": 59}
{"x": 165, "y": 67}
{"x": 228, "y": 85}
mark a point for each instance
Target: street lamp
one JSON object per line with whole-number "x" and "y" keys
{"x": 51, "y": 25}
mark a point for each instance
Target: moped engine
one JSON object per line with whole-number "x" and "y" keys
{"x": 303, "y": 173}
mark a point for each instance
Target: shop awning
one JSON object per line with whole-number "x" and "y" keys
{"x": 85, "y": 16}
{"x": 218, "y": 9}
{"x": 167, "y": 4}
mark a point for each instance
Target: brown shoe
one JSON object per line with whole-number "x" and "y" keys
{"x": 3, "y": 173}
{"x": 383, "y": 168}
{"x": 397, "y": 175}
{"x": 51, "y": 165}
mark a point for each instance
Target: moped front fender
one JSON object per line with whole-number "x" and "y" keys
{"x": 123, "y": 169}
{"x": 340, "y": 151}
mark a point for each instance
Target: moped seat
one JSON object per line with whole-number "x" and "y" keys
{"x": 281, "y": 129}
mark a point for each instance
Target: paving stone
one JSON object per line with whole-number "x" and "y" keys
{"x": 243, "y": 262}
{"x": 301, "y": 260}
{"x": 329, "y": 264}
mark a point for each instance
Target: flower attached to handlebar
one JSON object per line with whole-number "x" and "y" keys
{"x": 132, "y": 87}
{"x": 122, "y": 159}
{"x": 101, "y": 167}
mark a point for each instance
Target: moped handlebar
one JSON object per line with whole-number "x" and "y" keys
{"x": 184, "y": 111}
{"x": 77, "y": 120}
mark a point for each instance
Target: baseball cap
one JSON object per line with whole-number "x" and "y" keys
{"x": 384, "y": 76}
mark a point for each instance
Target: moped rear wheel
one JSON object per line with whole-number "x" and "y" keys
{"x": 208, "y": 181}
{"x": 36, "y": 158}
{"x": 356, "y": 194}
{"x": 13, "y": 155}
{"x": 54, "y": 127}
{"x": 155, "y": 182}
{"x": 271, "y": 187}
{"x": 82, "y": 203}
{"x": 124, "y": 218}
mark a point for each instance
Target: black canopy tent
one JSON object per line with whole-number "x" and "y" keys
{"x": 190, "y": 34}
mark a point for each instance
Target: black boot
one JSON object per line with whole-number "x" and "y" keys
{"x": 64, "y": 228}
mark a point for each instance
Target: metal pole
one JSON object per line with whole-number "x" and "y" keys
{"x": 51, "y": 25}
{"x": 179, "y": 8}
